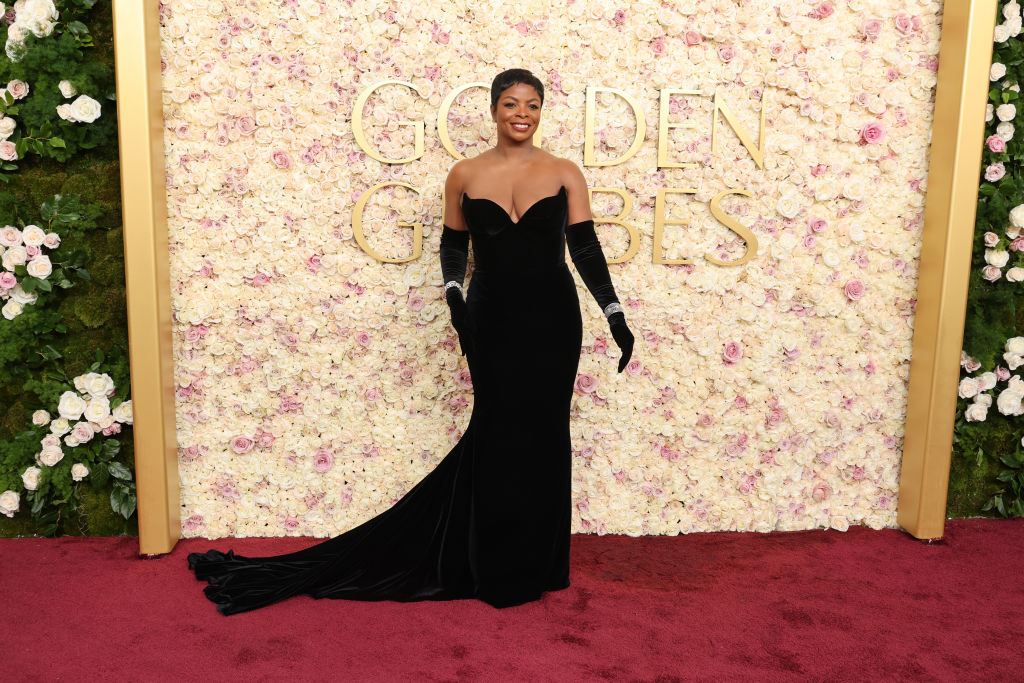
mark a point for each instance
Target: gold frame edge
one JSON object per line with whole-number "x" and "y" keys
{"x": 965, "y": 57}
{"x": 147, "y": 271}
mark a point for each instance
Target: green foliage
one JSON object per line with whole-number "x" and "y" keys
{"x": 43, "y": 64}
{"x": 57, "y": 337}
{"x": 987, "y": 475}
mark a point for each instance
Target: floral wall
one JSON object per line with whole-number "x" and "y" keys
{"x": 316, "y": 384}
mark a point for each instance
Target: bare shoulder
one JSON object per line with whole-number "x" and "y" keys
{"x": 570, "y": 174}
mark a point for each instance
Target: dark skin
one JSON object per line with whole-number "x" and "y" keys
{"x": 515, "y": 174}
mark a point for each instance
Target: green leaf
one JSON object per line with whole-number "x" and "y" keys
{"x": 58, "y": 142}
{"x": 43, "y": 285}
{"x": 29, "y": 284}
{"x": 112, "y": 447}
{"x": 100, "y": 476}
{"x": 119, "y": 471}
{"x": 37, "y": 505}
{"x": 980, "y": 460}
{"x": 78, "y": 28}
{"x": 50, "y": 353}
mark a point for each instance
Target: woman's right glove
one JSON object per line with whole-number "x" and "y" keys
{"x": 454, "y": 255}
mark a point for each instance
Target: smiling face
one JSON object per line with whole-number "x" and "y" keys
{"x": 517, "y": 112}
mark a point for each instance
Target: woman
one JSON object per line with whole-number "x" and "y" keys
{"x": 492, "y": 520}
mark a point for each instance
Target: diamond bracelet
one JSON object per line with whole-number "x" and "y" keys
{"x": 456, "y": 284}
{"x": 613, "y": 307}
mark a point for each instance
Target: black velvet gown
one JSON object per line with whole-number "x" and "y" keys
{"x": 492, "y": 520}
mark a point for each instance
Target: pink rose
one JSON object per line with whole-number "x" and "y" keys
{"x": 1002, "y": 374}
{"x": 732, "y": 351}
{"x": 416, "y": 302}
{"x": 774, "y": 417}
{"x": 363, "y": 338}
{"x": 996, "y": 144}
{"x": 281, "y": 158}
{"x": 726, "y": 53}
{"x": 740, "y": 402}
{"x": 971, "y": 365}
{"x": 1017, "y": 244}
{"x": 832, "y": 418}
{"x": 8, "y": 152}
{"x": 10, "y": 236}
{"x": 903, "y": 23}
{"x": 7, "y": 280}
{"x": 291, "y": 523}
{"x": 600, "y": 345}
{"x": 705, "y": 420}
{"x": 114, "y": 428}
{"x": 991, "y": 273}
{"x": 995, "y": 172}
{"x": 658, "y": 45}
{"x": 585, "y": 383}
{"x": 853, "y": 289}
{"x": 991, "y": 239}
{"x": 260, "y": 279}
{"x": 323, "y": 460}
{"x": 821, "y": 491}
{"x": 816, "y": 225}
{"x": 372, "y": 394}
{"x": 873, "y": 132}
{"x": 692, "y": 38}
{"x": 871, "y": 28}
{"x": 824, "y": 10}
{"x": 246, "y": 125}
{"x": 192, "y": 522}
{"x": 634, "y": 368}
{"x": 241, "y": 444}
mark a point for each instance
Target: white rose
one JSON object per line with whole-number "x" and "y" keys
{"x": 71, "y": 440}
{"x": 997, "y": 257}
{"x": 1005, "y": 130}
{"x": 40, "y": 267}
{"x": 988, "y": 381}
{"x": 123, "y": 412}
{"x": 1001, "y": 34}
{"x": 66, "y": 89}
{"x": 7, "y": 126}
{"x": 1008, "y": 402}
{"x": 984, "y": 400}
{"x": 40, "y": 417}
{"x": 997, "y": 71}
{"x": 788, "y": 205}
{"x": 60, "y": 426}
{"x": 22, "y": 297}
{"x": 17, "y": 88}
{"x": 64, "y": 111}
{"x": 976, "y": 412}
{"x": 1006, "y": 112}
{"x": 85, "y": 109}
{"x": 1015, "y": 274}
{"x": 1013, "y": 360}
{"x": 82, "y": 432}
{"x": 969, "y": 386}
{"x": 1015, "y": 345}
{"x": 1017, "y": 216}
{"x": 30, "y": 478}
{"x": 989, "y": 112}
{"x": 12, "y": 309}
{"x": 51, "y": 455}
{"x": 1011, "y": 10}
{"x": 830, "y": 257}
{"x": 10, "y": 502}
{"x": 96, "y": 384}
{"x": 79, "y": 471}
{"x": 71, "y": 405}
{"x": 33, "y": 236}
{"x": 14, "y": 257}
{"x": 97, "y": 408}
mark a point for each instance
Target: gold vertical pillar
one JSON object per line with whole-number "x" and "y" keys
{"x": 144, "y": 201}
{"x": 965, "y": 57}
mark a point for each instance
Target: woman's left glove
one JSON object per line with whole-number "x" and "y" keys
{"x": 622, "y": 336}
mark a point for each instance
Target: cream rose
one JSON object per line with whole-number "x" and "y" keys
{"x": 18, "y": 89}
{"x": 60, "y": 426}
{"x": 40, "y": 417}
{"x": 95, "y": 384}
{"x": 12, "y": 309}
{"x": 10, "y": 502}
{"x": 97, "y": 408}
{"x": 30, "y": 478}
{"x": 51, "y": 455}
{"x": 71, "y": 405}
{"x": 997, "y": 257}
{"x": 123, "y": 412}
{"x": 40, "y": 267}
{"x": 79, "y": 471}
{"x": 85, "y": 109}
{"x": 7, "y": 126}
{"x": 66, "y": 89}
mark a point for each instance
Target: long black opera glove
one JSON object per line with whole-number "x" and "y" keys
{"x": 585, "y": 250}
{"x": 454, "y": 255}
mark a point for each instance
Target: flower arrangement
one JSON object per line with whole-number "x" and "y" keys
{"x": 44, "y": 70}
{"x": 316, "y": 384}
{"x": 73, "y": 448}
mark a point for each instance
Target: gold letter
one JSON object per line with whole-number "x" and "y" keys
{"x": 588, "y": 127}
{"x": 627, "y": 208}
{"x": 357, "y": 126}
{"x": 659, "y": 226}
{"x": 734, "y": 225}
{"x": 757, "y": 152}
{"x": 664, "y": 126}
{"x": 357, "y": 227}
{"x": 442, "y": 119}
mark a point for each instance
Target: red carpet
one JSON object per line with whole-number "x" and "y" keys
{"x": 810, "y": 605}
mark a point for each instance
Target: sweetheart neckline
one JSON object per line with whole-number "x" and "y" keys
{"x": 561, "y": 190}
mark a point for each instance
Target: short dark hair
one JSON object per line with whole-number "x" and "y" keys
{"x": 506, "y": 79}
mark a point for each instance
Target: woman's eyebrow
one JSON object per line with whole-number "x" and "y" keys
{"x": 511, "y": 97}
